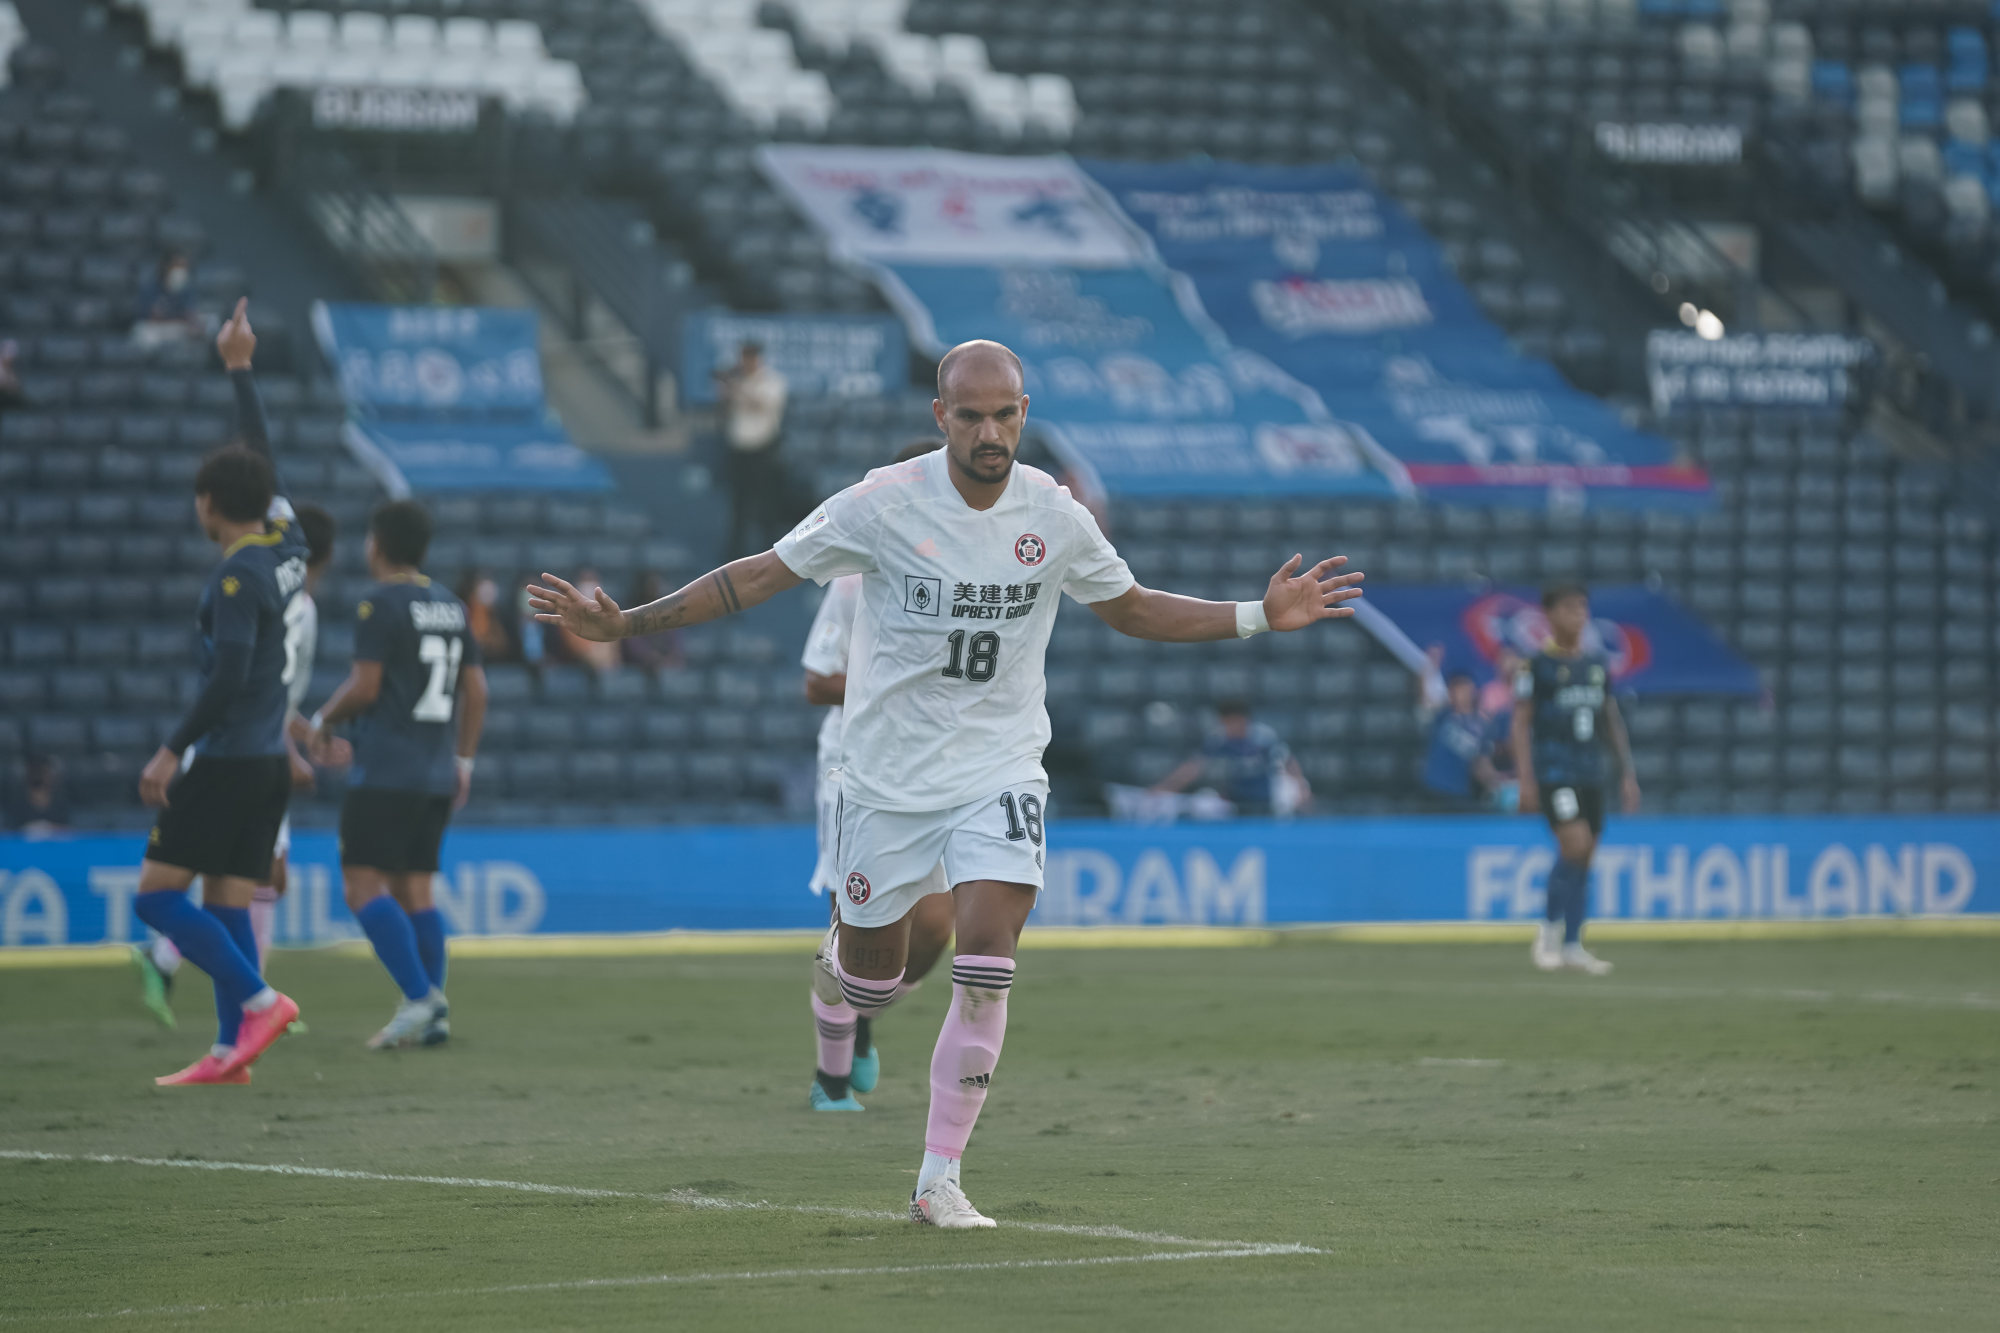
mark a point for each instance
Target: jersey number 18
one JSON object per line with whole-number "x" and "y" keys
{"x": 442, "y": 656}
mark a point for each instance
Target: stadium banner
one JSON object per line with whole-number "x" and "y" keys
{"x": 1245, "y": 873}
{"x": 1318, "y": 271}
{"x": 1133, "y": 392}
{"x": 830, "y": 356}
{"x": 1654, "y": 645}
{"x": 936, "y": 206}
{"x": 1791, "y": 372}
{"x": 425, "y": 456}
{"x": 1670, "y": 143}
{"x": 434, "y": 361}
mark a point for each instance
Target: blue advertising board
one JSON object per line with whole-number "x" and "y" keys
{"x": 428, "y": 456}
{"x": 1250, "y": 873}
{"x": 820, "y": 356}
{"x": 451, "y": 361}
{"x": 1133, "y": 390}
{"x": 450, "y": 398}
{"x": 1315, "y": 269}
{"x": 1655, "y": 646}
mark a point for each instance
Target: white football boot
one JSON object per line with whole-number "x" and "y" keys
{"x": 1547, "y": 951}
{"x": 407, "y": 1028}
{"x": 944, "y": 1205}
{"x": 1579, "y": 959}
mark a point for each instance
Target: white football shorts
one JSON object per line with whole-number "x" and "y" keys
{"x": 888, "y": 859}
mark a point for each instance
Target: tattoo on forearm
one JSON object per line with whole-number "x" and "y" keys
{"x": 727, "y": 590}
{"x": 653, "y": 617}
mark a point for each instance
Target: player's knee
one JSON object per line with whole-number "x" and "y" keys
{"x": 360, "y": 893}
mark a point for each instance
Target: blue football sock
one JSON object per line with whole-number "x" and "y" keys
{"x": 236, "y": 920}
{"x": 1576, "y": 904}
{"x": 1557, "y": 897}
{"x": 429, "y": 925}
{"x": 204, "y": 941}
{"x": 388, "y": 929}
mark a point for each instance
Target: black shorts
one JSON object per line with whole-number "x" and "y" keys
{"x": 1567, "y": 801}
{"x": 222, "y": 816}
{"x": 396, "y": 832}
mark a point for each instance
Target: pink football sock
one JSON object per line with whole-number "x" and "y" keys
{"x": 968, "y": 1048}
{"x": 835, "y": 1025}
{"x": 866, "y": 996}
{"x": 264, "y": 921}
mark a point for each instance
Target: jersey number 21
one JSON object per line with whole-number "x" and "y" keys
{"x": 442, "y": 656}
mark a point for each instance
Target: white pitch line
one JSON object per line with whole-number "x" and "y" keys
{"x": 685, "y": 1198}
{"x": 677, "y": 1280}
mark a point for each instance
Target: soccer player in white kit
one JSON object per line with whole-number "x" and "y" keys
{"x": 962, "y": 555}
{"x": 847, "y": 1059}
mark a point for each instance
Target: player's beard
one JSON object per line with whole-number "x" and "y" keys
{"x": 989, "y": 463}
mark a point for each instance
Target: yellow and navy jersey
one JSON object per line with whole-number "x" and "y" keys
{"x": 407, "y": 739}
{"x": 255, "y": 597}
{"x": 1566, "y": 697}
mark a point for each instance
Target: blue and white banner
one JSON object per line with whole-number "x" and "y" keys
{"x": 1135, "y": 392}
{"x": 820, "y": 356}
{"x": 1655, "y": 646}
{"x": 935, "y": 206}
{"x": 423, "y": 456}
{"x": 1318, "y": 271}
{"x": 456, "y": 361}
{"x": 1248, "y": 873}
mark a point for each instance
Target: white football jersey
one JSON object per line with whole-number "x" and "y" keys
{"x": 826, "y": 655}
{"x": 944, "y": 677}
{"x": 301, "y": 646}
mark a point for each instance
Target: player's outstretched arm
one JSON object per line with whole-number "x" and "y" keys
{"x": 1521, "y": 736}
{"x": 738, "y": 585}
{"x": 236, "y": 344}
{"x": 1293, "y": 600}
{"x": 1621, "y": 745}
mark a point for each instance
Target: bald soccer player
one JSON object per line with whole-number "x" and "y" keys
{"x": 962, "y": 554}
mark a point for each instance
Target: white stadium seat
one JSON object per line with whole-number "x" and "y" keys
{"x": 414, "y": 32}
{"x": 465, "y": 36}
{"x": 363, "y": 32}
{"x": 309, "y": 29}
{"x": 517, "y": 37}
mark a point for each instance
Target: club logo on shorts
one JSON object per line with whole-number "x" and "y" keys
{"x": 858, "y": 888}
{"x": 1030, "y": 549}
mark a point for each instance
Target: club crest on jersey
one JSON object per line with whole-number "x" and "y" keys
{"x": 1030, "y": 549}
{"x": 921, "y": 595}
{"x": 858, "y": 888}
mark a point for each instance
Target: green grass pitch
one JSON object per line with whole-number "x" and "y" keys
{"x": 1724, "y": 1135}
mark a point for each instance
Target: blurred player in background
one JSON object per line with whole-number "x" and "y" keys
{"x": 158, "y": 960}
{"x": 847, "y": 1056}
{"x": 962, "y": 557}
{"x": 1563, "y": 716}
{"x": 220, "y": 817}
{"x": 418, "y": 694}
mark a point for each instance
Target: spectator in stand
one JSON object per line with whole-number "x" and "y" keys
{"x": 534, "y": 643}
{"x": 602, "y": 657}
{"x": 652, "y": 651}
{"x": 10, "y": 381}
{"x": 481, "y": 595}
{"x": 753, "y": 414}
{"x": 166, "y": 311}
{"x": 1496, "y": 696}
{"x": 1247, "y": 763}
{"x": 1458, "y": 770}
{"x": 39, "y": 802}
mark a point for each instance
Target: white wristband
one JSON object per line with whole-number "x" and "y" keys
{"x": 1250, "y": 619}
{"x": 318, "y": 722}
{"x": 464, "y": 764}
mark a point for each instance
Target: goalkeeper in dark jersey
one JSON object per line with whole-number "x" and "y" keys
{"x": 1564, "y": 716}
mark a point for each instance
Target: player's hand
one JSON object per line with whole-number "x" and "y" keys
{"x": 303, "y": 777}
{"x": 236, "y": 342}
{"x": 157, "y": 776}
{"x": 1531, "y": 797}
{"x": 464, "y": 792}
{"x": 1294, "y": 600}
{"x": 597, "y": 619}
{"x": 1629, "y": 795}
